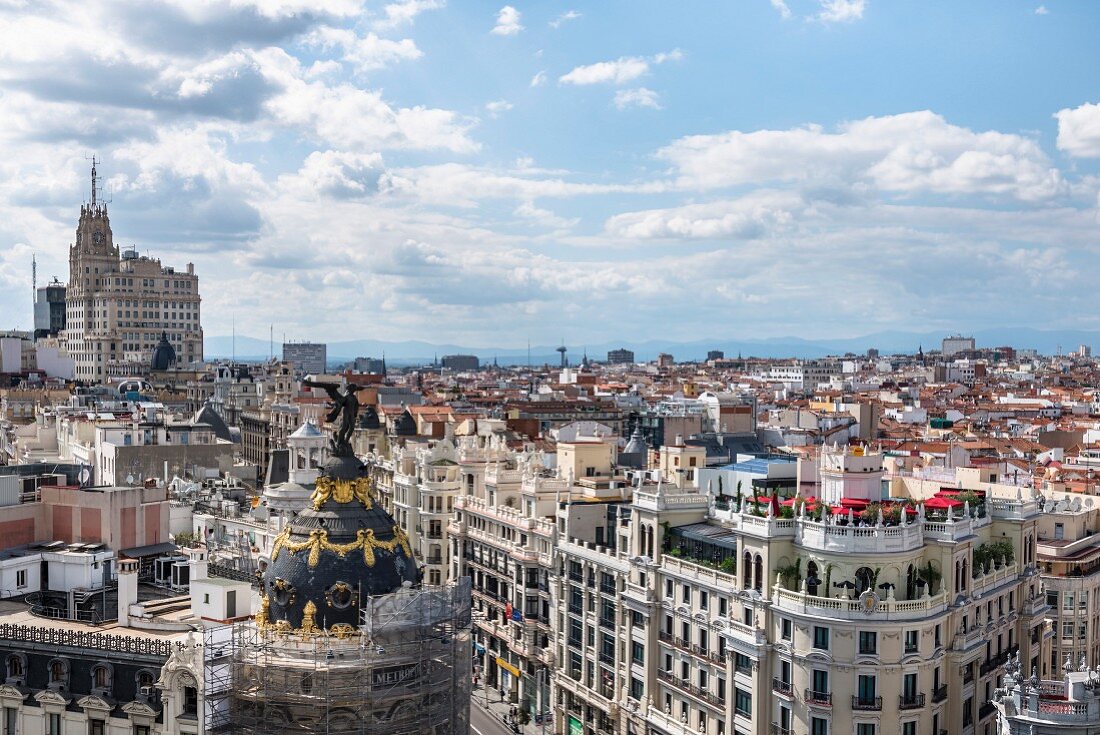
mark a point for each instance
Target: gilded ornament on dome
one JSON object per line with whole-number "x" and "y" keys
{"x": 264, "y": 614}
{"x": 342, "y": 630}
{"x": 309, "y": 625}
{"x": 342, "y": 491}
{"x": 318, "y": 540}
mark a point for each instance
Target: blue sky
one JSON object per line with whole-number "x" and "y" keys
{"x": 486, "y": 174}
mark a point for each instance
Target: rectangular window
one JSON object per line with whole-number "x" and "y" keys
{"x": 685, "y": 594}
{"x": 742, "y": 703}
{"x": 786, "y": 629}
{"x": 637, "y": 690}
{"x": 909, "y": 728}
{"x": 819, "y": 726}
{"x": 53, "y": 724}
{"x": 95, "y": 727}
{"x": 637, "y": 652}
{"x": 912, "y": 641}
{"x": 821, "y": 638}
{"x": 821, "y": 681}
{"x": 868, "y": 642}
{"x": 21, "y": 578}
{"x": 865, "y": 728}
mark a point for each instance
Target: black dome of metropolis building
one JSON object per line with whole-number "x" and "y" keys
{"x": 335, "y": 554}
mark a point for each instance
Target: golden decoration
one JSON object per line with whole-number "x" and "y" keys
{"x": 318, "y": 539}
{"x": 309, "y": 625}
{"x": 264, "y": 614}
{"x": 283, "y": 627}
{"x": 343, "y": 630}
{"x": 342, "y": 491}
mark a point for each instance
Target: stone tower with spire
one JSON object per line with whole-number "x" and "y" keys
{"x": 118, "y": 305}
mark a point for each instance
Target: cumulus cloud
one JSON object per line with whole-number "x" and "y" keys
{"x": 400, "y": 13}
{"x": 781, "y": 6}
{"x": 640, "y": 97}
{"x": 507, "y": 22}
{"x": 906, "y": 153}
{"x": 1079, "y": 130}
{"x": 748, "y": 218}
{"x": 544, "y": 217}
{"x": 498, "y": 106}
{"x": 620, "y": 71}
{"x": 841, "y": 11}
{"x": 365, "y": 53}
{"x": 1042, "y": 10}
{"x": 539, "y": 79}
{"x": 565, "y": 17}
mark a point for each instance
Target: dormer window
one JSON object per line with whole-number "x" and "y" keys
{"x": 16, "y": 668}
{"x": 59, "y": 673}
{"x": 101, "y": 678}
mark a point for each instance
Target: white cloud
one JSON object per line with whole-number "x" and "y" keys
{"x": 539, "y": 79}
{"x": 365, "y": 53}
{"x": 907, "y": 153}
{"x": 498, "y": 106}
{"x": 841, "y": 11}
{"x": 620, "y": 71}
{"x": 507, "y": 22}
{"x": 781, "y": 6}
{"x": 640, "y": 97}
{"x": 565, "y": 17}
{"x": 460, "y": 185}
{"x": 1042, "y": 10}
{"x": 1079, "y": 130}
{"x": 544, "y": 217}
{"x": 751, "y": 217}
{"x": 334, "y": 173}
{"x": 400, "y": 13}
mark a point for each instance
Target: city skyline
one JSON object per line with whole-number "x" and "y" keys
{"x": 487, "y": 174}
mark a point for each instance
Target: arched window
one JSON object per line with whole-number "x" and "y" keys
{"x": 101, "y": 677}
{"x": 758, "y": 573}
{"x": 15, "y": 666}
{"x": 145, "y": 681}
{"x": 910, "y": 583}
{"x": 746, "y": 572}
{"x": 865, "y": 580}
{"x": 59, "y": 671}
{"x": 812, "y": 580}
{"x": 964, "y": 579}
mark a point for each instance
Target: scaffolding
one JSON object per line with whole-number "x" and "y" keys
{"x": 404, "y": 671}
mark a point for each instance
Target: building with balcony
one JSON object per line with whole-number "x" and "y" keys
{"x": 502, "y": 538}
{"x": 1069, "y": 562}
{"x": 1028, "y": 704}
{"x": 815, "y": 618}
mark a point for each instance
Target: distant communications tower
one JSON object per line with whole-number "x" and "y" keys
{"x": 561, "y": 350}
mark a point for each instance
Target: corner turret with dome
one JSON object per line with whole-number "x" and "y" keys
{"x": 340, "y": 550}
{"x": 347, "y": 638}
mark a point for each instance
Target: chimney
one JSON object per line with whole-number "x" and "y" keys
{"x": 197, "y": 562}
{"x": 127, "y": 589}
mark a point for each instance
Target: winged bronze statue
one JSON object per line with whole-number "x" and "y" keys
{"x": 345, "y": 406}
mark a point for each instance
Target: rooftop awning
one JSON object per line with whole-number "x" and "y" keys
{"x": 140, "y": 552}
{"x": 706, "y": 533}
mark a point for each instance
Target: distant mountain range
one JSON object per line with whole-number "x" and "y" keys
{"x": 415, "y": 352}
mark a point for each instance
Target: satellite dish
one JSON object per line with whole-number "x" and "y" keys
{"x": 129, "y": 479}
